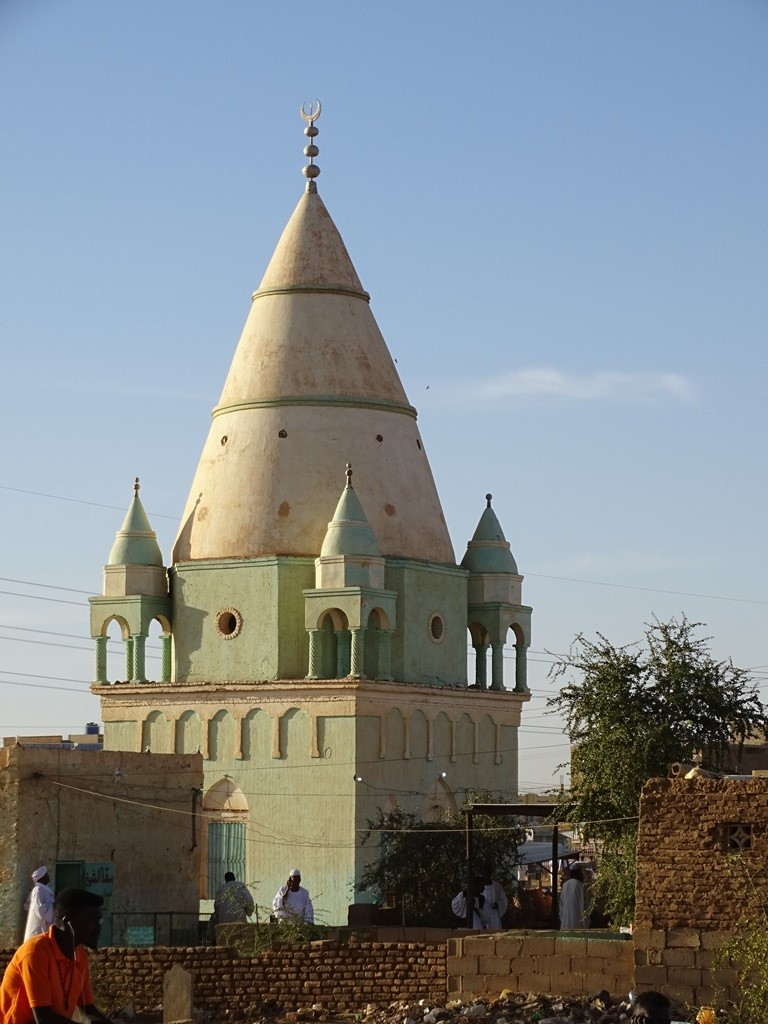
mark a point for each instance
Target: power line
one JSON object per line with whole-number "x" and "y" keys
{"x": 38, "y": 597}
{"x": 647, "y": 590}
{"x": 47, "y": 586}
{"x": 538, "y": 575}
{"x": 79, "y": 501}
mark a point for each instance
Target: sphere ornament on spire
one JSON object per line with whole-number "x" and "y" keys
{"x": 311, "y": 150}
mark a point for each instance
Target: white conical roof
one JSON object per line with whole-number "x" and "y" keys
{"x": 312, "y": 384}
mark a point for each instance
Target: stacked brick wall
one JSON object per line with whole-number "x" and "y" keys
{"x": 686, "y": 875}
{"x": 694, "y": 884}
{"x": 342, "y": 978}
{"x": 680, "y": 963}
{"x": 546, "y": 962}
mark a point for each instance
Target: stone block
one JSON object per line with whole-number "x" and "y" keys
{"x": 566, "y": 984}
{"x": 650, "y": 977}
{"x": 494, "y": 965}
{"x": 538, "y": 945}
{"x": 478, "y": 984}
{"x": 687, "y": 937}
{"x": 573, "y": 945}
{"x": 723, "y": 977}
{"x": 678, "y": 957}
{"x": 509, "y": 945}
{"x": 714, "y": 940}
{"x": 462, "y": 965}
{"x": 685, "y": 977}
{"x": 609, "y": 948}
{"x": 643, "y": 937}
{"x": 534, "y": 983}
{"x": 560, "y": 963}
{"x": 705, "y": 957}
{"x": 479, "y": 945}
{"x": 177, "y": 995}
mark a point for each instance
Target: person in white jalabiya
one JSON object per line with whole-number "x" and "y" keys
{"x": 496, "y": 902}
{"x": 39, "y": 906}
{"x": 572, "y": 913}
{"x": 292, "y": 900}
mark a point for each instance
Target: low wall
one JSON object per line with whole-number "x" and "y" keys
{"x": 345, "y": 976}
{"x": 342, "y": 978}
{"x": 547, "y": 962}
{"x": 679, "y": 963}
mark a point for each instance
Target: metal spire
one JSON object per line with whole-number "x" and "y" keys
{"x": 311, "y": 170}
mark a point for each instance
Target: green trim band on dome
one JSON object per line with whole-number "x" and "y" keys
{"x": 311, "y": 289}
{"x": 312, "y": 400}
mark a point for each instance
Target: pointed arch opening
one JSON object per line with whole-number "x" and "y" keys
{"x": 440, "y": 802}
{"x": 225, "y": 811}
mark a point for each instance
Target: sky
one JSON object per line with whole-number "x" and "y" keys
{"x": 559, "y": 210}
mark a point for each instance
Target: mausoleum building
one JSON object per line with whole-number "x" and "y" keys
{"x": 315, "y": 625}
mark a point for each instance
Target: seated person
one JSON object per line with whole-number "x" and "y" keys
{"x": 651, "y": 1008}
{"x": 48, "y": 977}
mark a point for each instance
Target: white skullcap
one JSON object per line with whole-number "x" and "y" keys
{"x": 294, "y": 873}
{"x": 39, "y": 873}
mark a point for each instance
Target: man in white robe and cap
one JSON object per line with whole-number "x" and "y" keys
{"x": 39, "y": 905}
{"x": 292, "y": 900}
{"x": 572, "y": 909}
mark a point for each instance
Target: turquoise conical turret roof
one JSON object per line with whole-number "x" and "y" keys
{"x": 489, "y": 550}
{"x": 136, "y": 541}
{"x": 349, "y": 532}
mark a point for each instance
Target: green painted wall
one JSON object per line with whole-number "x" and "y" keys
{"x": 266, "y": 593}
{"x": 424, "y": 589}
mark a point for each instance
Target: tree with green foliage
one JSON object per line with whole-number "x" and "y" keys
{"x": 420, "y": 865}
{"x": 635, "y": 711}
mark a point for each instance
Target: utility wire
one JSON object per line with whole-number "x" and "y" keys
{"x": 79, "y": 501}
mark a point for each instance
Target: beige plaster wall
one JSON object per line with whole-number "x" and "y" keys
{"x": 294, "y": 750}
{"x": 133, "y": 810}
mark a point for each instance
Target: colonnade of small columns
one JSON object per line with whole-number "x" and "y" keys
{"x": 350, "y": 653}
{"x": 135, "y": 658}
{"x": 497, "y": 666}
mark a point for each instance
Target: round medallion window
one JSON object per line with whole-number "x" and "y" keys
{"x": 436, "y": 628}
{"x": 229, "y": 622}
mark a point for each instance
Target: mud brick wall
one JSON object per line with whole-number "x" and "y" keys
{"x": 545, "y": 962}
{"x": 340, "y": 977}
{"x": 688, "y": 873}
{"x": 680, "y": 963}
{"x": 694, "y": 884}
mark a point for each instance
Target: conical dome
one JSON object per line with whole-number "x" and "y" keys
{"x": 489, "y": 550}
{"x": 135, "y": 541}
{"x": 312, "y": 382}
{"x": 349, "y": 532}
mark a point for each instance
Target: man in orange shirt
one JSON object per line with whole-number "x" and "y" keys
{"x": 48, "y": 977}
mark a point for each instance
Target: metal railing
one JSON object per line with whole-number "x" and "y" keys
{"x": 162, "y": 928}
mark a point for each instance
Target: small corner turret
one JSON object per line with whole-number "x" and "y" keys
{"x": 495, "y": 594}
{"x": 135, "y": 591}
{"x": 135, "y": 563}
{"x": 349, "y": 597}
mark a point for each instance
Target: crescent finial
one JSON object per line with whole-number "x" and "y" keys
{"x": 313, "y": 113}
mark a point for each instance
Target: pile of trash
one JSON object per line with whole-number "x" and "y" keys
{"x": 507, "y": 1008}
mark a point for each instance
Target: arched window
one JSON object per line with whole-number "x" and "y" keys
{"x": 226, "y": 814}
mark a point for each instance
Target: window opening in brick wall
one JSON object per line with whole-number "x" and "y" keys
{"x": 738, "y": 836}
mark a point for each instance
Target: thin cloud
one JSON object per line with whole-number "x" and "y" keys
{"x": 546, "y": 382}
